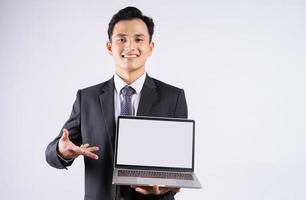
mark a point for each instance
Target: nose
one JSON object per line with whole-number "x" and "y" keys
{"x": 130, "y": 44}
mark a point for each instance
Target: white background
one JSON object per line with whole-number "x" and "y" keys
{"x": 241, "y": 63}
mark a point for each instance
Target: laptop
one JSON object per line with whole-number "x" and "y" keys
{"x": 155, "y": 151}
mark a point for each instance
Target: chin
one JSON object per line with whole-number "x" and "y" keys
{"x": 130, "y": 68}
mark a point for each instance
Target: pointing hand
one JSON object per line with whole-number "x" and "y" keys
{"x": 68, "y": 150}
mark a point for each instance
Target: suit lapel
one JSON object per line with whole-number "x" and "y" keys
{"x": 107, "y": 106}
{"x": 148, "y": 97}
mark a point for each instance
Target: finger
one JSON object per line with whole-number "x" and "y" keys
{"x": 85, "y": 145}
{"x": 91, "y": 149}
{"x": 156, "y": 190}
{"x": 90, "y": 155}
{"x": 65, "y": 135}
{"x": 143, "y": 190}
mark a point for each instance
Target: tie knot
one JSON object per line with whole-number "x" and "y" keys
{"x": 127, "y": 91}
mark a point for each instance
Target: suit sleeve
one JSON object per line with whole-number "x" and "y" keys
{"x": 181, "y": 110}
{"x": 73, "y": 124}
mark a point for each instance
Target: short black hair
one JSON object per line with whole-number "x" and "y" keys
{"x": 130, "y": 13}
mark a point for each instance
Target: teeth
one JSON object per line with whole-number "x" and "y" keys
{"x": 130, "y": 56}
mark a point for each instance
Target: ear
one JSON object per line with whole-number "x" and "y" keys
{"x": 151, "y": 46}
{"x": 109, "y": 48}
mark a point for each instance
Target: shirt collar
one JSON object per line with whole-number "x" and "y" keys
{"x": 137, "y": 84}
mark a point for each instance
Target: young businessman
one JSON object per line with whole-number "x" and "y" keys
{"x": 90, "y": 129}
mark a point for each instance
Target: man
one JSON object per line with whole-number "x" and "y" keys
{"x": 90, "y": 130}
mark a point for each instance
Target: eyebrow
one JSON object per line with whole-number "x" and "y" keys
{"x": 140, "y": 35}
{"x": 124, "y": 35}
{"x": 120, "y": 35}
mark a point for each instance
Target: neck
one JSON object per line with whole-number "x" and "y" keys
{"x": 130, "y": 76}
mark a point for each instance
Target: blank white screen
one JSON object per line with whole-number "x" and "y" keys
{"x": 155, "y": 143}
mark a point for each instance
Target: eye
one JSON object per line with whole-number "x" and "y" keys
{"x": 139, "y": 39}
{"x": 121, "y": 40}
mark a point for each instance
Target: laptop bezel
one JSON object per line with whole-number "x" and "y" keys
{"x": 156, "y": 168}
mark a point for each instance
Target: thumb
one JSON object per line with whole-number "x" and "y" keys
{"x": 65, "y": 135}
{"x": 156, "y": 190}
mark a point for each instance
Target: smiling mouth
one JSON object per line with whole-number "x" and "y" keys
{"x": 130, "y": 56}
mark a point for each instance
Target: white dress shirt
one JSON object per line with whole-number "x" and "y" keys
{"x": 135, "y": 98}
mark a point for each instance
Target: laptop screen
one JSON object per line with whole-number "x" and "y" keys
{"x": 155, "y": 142}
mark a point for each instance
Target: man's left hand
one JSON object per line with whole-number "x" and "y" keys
{"x": 155, "y": 189}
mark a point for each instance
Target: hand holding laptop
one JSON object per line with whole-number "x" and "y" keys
{"x": 68, "y": 150}
{"x": 155, "y": 189}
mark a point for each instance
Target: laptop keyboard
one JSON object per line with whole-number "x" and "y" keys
{"x": 151, "y": 174}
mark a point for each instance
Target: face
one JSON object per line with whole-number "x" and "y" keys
{"x": 130, "y": 45}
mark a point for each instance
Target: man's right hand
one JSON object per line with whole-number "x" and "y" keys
{"x": 68, "y": 150}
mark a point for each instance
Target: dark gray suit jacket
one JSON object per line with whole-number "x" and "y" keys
{"x": 92, "y": 121}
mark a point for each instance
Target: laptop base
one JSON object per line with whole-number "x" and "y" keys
{"x": 140, "y": 181}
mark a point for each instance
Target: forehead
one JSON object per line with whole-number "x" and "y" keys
{"x": 130, "y": 27}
